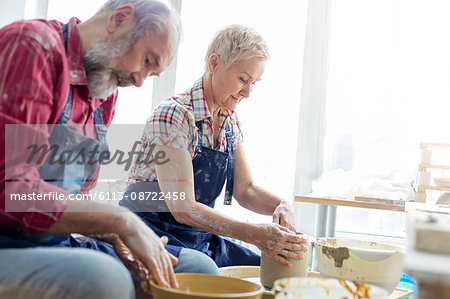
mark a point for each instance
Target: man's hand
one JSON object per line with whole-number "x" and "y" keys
{"x": 149, "y": 249}
{"x": 130, "y": 261}
{"x": 284, "y": 215}
{"x": 142, "y": 242}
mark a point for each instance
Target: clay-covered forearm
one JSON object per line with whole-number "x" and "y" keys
{"x": 177, "y": 176}
{"x": 210, "y": 220}
{"x": 258, "y": 200}
{"x": 91, "y": 218}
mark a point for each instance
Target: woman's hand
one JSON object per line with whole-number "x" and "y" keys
{"x": 278, "y": 242}
{"x": 284, "y": 215}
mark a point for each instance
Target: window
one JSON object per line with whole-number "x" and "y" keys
{"x": 388, "y": 89}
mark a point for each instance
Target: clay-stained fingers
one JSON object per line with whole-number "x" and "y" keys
{"x": 165, "y": 266}
{"x": 149, "y": 249}
{"x": 291, "y": 254}
{"x": 158, "y": 273}
{"x": 170, "y": 273}
{"x": 285, "y": 222}
{"x": 142, "y": 273}
{"x": 131, "y": 262}
{"x": 296, "y": 247}
{"x": 276, "y": 218}
{"x": 172, "y": 277}
{"x": 296, "y": 238}
{"x": 146, "y": 275}
{"x": 281, "y": 259}
{"x": 168, "y": 270}
{"x": 145, "y": 285}
{"x": 160, "y": 265}
{"x": 285, "y": 229}
{"x": 290, "y": 226}
{"x": 284, "y": 215}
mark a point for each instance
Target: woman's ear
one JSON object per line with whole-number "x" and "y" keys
{"x": 213, "y": 62}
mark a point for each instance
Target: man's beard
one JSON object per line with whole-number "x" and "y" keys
{"x": 101, "y": 78}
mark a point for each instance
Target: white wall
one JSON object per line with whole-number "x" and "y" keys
{"x": 11, "y": 11}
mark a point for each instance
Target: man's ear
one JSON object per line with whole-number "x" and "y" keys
{"x": 213, "y": 62}
{"x": 119, "y": 17}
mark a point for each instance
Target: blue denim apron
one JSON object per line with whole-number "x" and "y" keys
{"x": 70, "y": 177}
{"x": 211, "y": 168}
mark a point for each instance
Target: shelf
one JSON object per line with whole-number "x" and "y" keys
{"x": 435, "y": 166}
{"x": 425, "y": 145}
{"x": 436, "y": 188}
{"x": 426, "y": 172}
{"x": 350, "y": 203}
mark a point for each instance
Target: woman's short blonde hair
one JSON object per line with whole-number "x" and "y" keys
{"x": 236, "y": 42}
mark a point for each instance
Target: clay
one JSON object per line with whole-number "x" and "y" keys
{"x": 317, "y": 287}
{"x": 337, "y": 254}
{"x": 361, "y": 291}
{"x": 272, "y": 270}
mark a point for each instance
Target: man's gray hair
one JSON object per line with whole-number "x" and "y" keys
{"x": 151, "y": 15}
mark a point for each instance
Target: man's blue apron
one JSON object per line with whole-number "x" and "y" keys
{"x": 70, "y": 177}
{"x": 211, "y": 168}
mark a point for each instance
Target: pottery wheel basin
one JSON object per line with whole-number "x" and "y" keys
{"x": 208, "y": 286}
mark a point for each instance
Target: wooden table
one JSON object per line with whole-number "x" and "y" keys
{"x": 326, "y": 220}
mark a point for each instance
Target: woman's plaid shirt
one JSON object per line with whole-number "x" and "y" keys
{"x": 172, "y": 124}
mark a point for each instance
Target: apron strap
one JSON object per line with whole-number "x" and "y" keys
{"x": 199, "y": 125}
{"x": 65, "y": 115}
{"x": 230, "y": 167}
{"x": 100, "y": 127}
{"x": 64, "y": 28}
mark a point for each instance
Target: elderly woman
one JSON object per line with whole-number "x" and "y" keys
{"x": 192, "y": 144}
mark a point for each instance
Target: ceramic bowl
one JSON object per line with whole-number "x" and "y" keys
{"x": 362, "y": 261}
{"x": 252, "y": 273}
{"x": 202, "y": 286}
{"x": 325, "y": 288}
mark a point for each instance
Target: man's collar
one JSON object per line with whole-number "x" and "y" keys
{"x": 74, "y": 54}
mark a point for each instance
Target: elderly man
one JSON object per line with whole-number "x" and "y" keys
{"x": 67, "y": 74}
